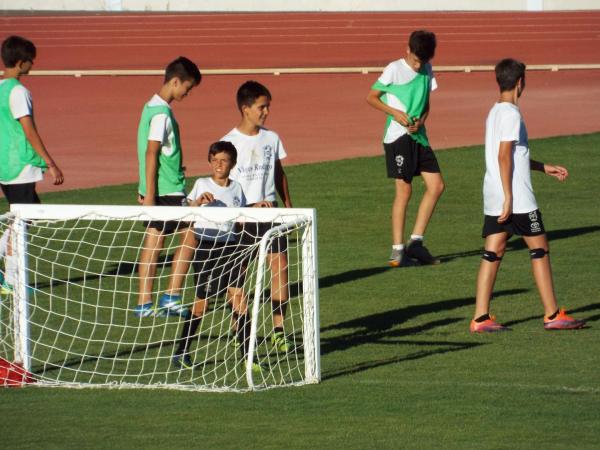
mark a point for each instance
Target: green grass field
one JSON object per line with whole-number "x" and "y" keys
{"x": 400, "y": 369}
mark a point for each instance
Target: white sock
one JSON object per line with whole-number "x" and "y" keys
{"x": 398, "y": 247}
{"x": 3, "y": 244}
{"x": 416, "y": 237}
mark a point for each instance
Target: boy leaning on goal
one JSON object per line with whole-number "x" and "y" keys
{"x": 510, "y": 206}
{"x": 23, "y": 155}
{"x": 215, "y": 263}
{"x": 162, "y": 181}
{"x": 402, "y": 93}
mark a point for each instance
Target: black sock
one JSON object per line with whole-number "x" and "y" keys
{"x": 482, "y": 318}
{"x": 278, "y": 330}
{"x": 187, "y": 334}
{"x": 243, "y": 333}
{"x": 553, "y": 316}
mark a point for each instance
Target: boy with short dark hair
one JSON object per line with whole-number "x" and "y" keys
{"x": 510, "y": 206}
{"x": 402, "y": 93}
{"x": 23, "y": 155}
{"x": 215, "y": 264}
{"x": 162, "y": 180}
{"x": 260, "y": 172}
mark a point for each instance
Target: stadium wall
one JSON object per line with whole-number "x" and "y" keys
{"x": 305, "y": 5}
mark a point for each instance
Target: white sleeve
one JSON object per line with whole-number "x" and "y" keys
{"x": 434, "y": 84}
{"x": 243, "y": 201}
{"x": 387, "y": 77}
{"x": 158, "y": 128}
{"x": 195, "y": 192}
{"x": 510, "y": 125}
{"x": 20, "y": 102}
{"x": 281, "y": 154}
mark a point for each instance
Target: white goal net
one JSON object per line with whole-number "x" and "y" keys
{"x": 68, "y": 303}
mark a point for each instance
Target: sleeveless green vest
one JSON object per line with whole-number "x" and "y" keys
{"x": 414, "y": 95}
{"x": 170, "y": 176}
{"x": 15, "y": 150}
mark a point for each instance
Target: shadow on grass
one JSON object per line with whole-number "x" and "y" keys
{"x": 383, "y": 329}
{"x": 519, "y": 244}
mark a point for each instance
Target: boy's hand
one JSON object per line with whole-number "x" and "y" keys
{"x": 204, "y": 199}
{"x": 402, "y": 118}
{"x": 263, "y": 204}
{"x": 416, "y": 124}
{"x": 56, "y": 174}
{"x": 558, "y": 172}
{"x": 506, "y": 210}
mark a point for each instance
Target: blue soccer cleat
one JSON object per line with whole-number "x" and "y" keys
{"x": 145, "y": 310}
{"x": 170, "y": 305}
{"x": 182, "y": 361}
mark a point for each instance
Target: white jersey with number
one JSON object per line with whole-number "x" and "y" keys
{"x": 256, "y": 158}
{"x": 505, "y": 124}
{"x": 21, "y": 105}
{"x": 224, "y": 196}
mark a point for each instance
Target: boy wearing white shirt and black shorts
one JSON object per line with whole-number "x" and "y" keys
{"x": 510, "y": 206}
{"x": 23, "y": 155}
{"x": 260, "y": 172}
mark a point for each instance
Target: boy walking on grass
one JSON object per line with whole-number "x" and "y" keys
{"x": 402, "y": 93}
{"x": 510, "y": 206}
{"x": 23, "y": 155}
{"x": 162, "y": 181}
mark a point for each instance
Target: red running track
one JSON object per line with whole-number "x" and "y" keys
{"x": 89, "y": 124}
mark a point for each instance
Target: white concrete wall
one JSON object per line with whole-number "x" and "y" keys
{"x": 297, "y": 5}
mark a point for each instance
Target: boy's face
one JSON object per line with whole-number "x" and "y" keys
{"x": 413, "y": 61}
{"x": 259, "y": 111}
{"x": 181, "y": 88}
{"x": 221, "y": 165}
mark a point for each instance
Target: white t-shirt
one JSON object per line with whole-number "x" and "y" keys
{"x": 399, "y": 72}
{"x": 505, "y": 124}
{"x": 232, "y": 196}
{"x": 255, "y": 168}
{"x": 161, "y": 130}
{"x": 20, "y": 106}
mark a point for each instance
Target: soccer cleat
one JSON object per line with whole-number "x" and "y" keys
{"x": 563, "y": 322}
{"x": 232, "y": 340}
{"x": 145, "y": 310}
{"x": 258, "y": 369}
{"x": 182, "y": 361}
{"x": 5, "y": 288}
{"x": 170, "y": 305}
{"x": 396, "y": 258}
{"x": 487, "y": 326}
{"x": 281, "y": 343}
{"x": 416, "y": 250}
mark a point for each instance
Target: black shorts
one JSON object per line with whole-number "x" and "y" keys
{"x": 169, "y": 226}
{"x": 218, "y": 266}
{"x": 252, "y": 233}
{"x": 406, "y": 158}
{"x": 527, "y": 224}
{"x": 20, "y": 193}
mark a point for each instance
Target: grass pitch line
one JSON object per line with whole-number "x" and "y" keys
{"x": 299, "y": 70}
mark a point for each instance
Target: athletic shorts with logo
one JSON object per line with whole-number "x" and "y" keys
{"x": 169, "y": 226}
{"x": 527, "y": 224}
{"x": 406, "y": 158}
{"x": 218, "y": 266}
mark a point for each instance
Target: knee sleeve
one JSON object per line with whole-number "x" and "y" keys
{"x": 490, "y": 256}
{"x": 538, "y": 253}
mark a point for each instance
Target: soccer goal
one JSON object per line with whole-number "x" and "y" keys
{"x": 69, "y": 316}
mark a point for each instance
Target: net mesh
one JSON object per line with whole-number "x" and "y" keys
{"x": 82, "y": 288}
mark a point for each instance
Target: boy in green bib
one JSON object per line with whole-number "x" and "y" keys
{"x": 162, "y": 181}
{"x": 23, "y": 155}
{"x": 402, "y": 93}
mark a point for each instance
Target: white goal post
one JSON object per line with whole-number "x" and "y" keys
{"x": 69, "y": 316}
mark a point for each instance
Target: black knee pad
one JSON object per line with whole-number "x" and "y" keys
{"x": 490, "y": 256}
{"x": 537, "y": 253}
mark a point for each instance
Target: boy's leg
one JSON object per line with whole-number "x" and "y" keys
{"x": 181, "y": 261}
{"x": 434, "y": 187}
{"x": 403, "y": 193}
{"x": 181, "y": 356}
{"x": 153, "y": 243}
{"x": 542, "y": 272}
{"x": 241, "y": 320}
{"x": 279, "y": 287}
{"x": 495, "y": 245}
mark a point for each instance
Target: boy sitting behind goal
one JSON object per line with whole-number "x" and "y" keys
{"x": 215, "y": 262}
{"x": 162, "y": 181}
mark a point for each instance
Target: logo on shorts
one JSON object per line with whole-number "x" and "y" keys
{"x": 533, "y": 216}
{"x": 399, "y": 160}
{"x": 535, "y": 227}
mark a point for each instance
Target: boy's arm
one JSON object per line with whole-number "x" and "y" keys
{"x": 281, "y": 184}
{"x": 374, "y": 99}
{"x": 558, "y": 172}
{"x": 38, "y": 145}
{"x": 152, "y": 151}
{"x": 506, "y": 168}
